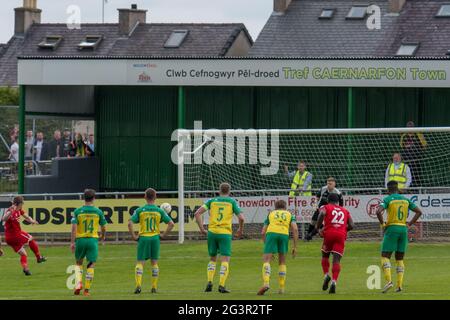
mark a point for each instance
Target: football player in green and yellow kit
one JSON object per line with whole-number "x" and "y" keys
{"x": 149, "y": 217}
{"x": 395, "y": 232}
{"x": 86, "y": 222}
{"x": 221, "y": 210}
{"x": 276, "y": 241}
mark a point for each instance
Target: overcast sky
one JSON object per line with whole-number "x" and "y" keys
{"x": 253, "y": 13}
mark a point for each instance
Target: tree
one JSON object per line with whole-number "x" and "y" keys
{"x": 8, "y": 97}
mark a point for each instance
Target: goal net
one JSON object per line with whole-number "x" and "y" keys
{"x": 260, "y": 166}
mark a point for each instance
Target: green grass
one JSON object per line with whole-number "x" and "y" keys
{"x": 183, "y": 273}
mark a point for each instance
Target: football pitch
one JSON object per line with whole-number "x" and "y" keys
{"x": 183, "y": 273}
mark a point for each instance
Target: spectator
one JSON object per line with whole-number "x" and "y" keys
{"x": 40, "y": 148}
{"x": 29, "y": 143}
{"x": 14, "y": 133}
{"x": 55, "y": 147}
{"x": 79, "y": 145}
{"x": 398, "y": 171}
{"x": 301, "y": 180}
{"x": 68, "y": 148}
{"x": 91, "y": 146}
{"x": 14, "y": 155}
{"x": 413, "y": 146}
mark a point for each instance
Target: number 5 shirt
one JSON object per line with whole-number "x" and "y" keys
{"x": 88, "y": 219}
{"x": 149, "y": 218}
{"x": 221, "y": 210}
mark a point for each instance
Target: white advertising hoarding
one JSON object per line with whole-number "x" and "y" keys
{"x": 235, "y": 72}
{"x": 435, "y": 207}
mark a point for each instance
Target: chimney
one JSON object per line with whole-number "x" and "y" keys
{"x": 128, "y": 18}
{"x": 395, "y": 6}
{"x": 26, "y": 16}
{"x": 280, "y": 6}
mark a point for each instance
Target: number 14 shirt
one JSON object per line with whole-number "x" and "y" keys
{"x": 88, "y": 219}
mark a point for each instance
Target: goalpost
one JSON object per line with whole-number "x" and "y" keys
{"x": 253, "y": 162}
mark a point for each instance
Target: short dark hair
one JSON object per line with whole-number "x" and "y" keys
{"x": 224, "y": 188}
{"x": 331, "y": 179}
{"x": 333, "y": 198}
{"x": 150, "y": 194}
{"x": 17, "y": 200}
{"x": 89, "y": 195}
{"x": 280, "y": 205}
{"x": 392, "y": 186}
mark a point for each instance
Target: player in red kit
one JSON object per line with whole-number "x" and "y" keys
{"x": 336, "y": 221}
{"x": 16, "y": 238}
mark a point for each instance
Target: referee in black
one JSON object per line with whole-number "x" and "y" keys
{"x": 322, "y": 197}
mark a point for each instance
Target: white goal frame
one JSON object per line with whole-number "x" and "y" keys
{"x": 185, "y": 132}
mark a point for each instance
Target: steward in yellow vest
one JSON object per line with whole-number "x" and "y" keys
{"x": 398, "y": 171}
{"x": 301, "y": 181}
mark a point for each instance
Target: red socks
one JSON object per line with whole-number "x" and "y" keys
{"x": 23, "y": 262}
{"x": 325, "y": 265}
{"x": 335, "y": 270}
{"x": 34, "y": 247}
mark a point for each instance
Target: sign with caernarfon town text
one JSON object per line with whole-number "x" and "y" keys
{"x": 236, "y": 72}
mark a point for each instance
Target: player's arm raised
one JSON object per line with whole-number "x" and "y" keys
{"x": 294, "y": 229}
{"x": 6, "y": 215}
{"x": 416, "y": 216}
{"x": 29, "y": 219}
{"x": 199, "y": 220}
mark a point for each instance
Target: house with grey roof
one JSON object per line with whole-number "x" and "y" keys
{"x": 342, "y": 28}
{"x": 132, "y": 36}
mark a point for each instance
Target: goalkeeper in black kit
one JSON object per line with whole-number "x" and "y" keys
{"x": 322, "y": 197}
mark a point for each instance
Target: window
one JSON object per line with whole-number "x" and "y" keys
{"x": 91, "y": 42}
{"x": 50, "y": 42}
{"x": 357, "y": 12}
{"x": 407, "y": 49}
{"x": 176, "y": 39}
{"x": 444, "y": 11}
{"x": 326, "y": 14}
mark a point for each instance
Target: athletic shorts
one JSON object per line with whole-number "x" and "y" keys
{"x": 219, "y": 244}
{"x": 276, "y": 243}
{"x": 18, "y": 241}
{"x": 148, "y": 248}
{"x": 86, "y": 248}
{"x": 334, "y": 242}
{"x": 395, "y": 239}
{"x": 315, "y": 216}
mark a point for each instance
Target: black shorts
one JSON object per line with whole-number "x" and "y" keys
{"x": 315, "y": 216}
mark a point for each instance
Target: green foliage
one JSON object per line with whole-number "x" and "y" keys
{"x": 9, "y": 96}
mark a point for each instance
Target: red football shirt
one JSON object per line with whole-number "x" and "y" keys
{"x": 12, "y": 225}
{"x": 336, "y": 219}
